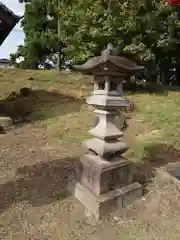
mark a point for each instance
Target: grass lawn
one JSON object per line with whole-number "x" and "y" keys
{"x": 38, "y": 162}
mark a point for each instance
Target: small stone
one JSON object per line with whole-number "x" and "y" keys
{"x": 115, "y": 218}
{"x": 5, "y": 122}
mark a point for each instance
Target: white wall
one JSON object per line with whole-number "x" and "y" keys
{"x": 3, "y": 65}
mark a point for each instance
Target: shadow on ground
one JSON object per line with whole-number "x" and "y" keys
{"x": 155, "y": 157}
{"x": 151, "y": 88}
{"x": 40, "y": 184}
{"x": 38, "y": 105}
{"x": 52, "y": 181}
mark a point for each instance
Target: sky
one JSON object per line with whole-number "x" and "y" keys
{"x": 16, "y": 37}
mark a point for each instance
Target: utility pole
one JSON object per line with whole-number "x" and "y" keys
{"x": 59, "y": 65}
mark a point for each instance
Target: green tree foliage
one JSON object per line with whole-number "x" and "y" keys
{"x": 39, "y": 27}
{"x": 147, "y": 30}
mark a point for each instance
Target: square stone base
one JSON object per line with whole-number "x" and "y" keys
{"x": 98, "y": 206}
{"x": 101, "y": 176}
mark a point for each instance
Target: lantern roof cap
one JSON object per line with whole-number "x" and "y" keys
{"x": 109, "y": 55}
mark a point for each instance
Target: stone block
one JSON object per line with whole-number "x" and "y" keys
{"x": 5, "y": 122}
{"x": 131, "y": 193}
{"x": 102, "y": 176}
{"x": 99, "y": 206}
{"x": 174, "y": 169}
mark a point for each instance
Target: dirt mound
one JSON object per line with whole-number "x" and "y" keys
{"x": 17, "y": 105}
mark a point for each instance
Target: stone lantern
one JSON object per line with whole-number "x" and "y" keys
{"x": 104, "y": 176}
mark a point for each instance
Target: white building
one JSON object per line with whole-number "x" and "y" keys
{"x": 5, "y": 63}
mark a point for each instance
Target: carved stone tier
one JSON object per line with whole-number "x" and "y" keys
{"x": 105, "y": 127}
{"x": 106, "y": 142}
{"x": 107, "y": 101}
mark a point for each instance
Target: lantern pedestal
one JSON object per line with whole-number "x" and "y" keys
{"x": 104, "y": 186}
